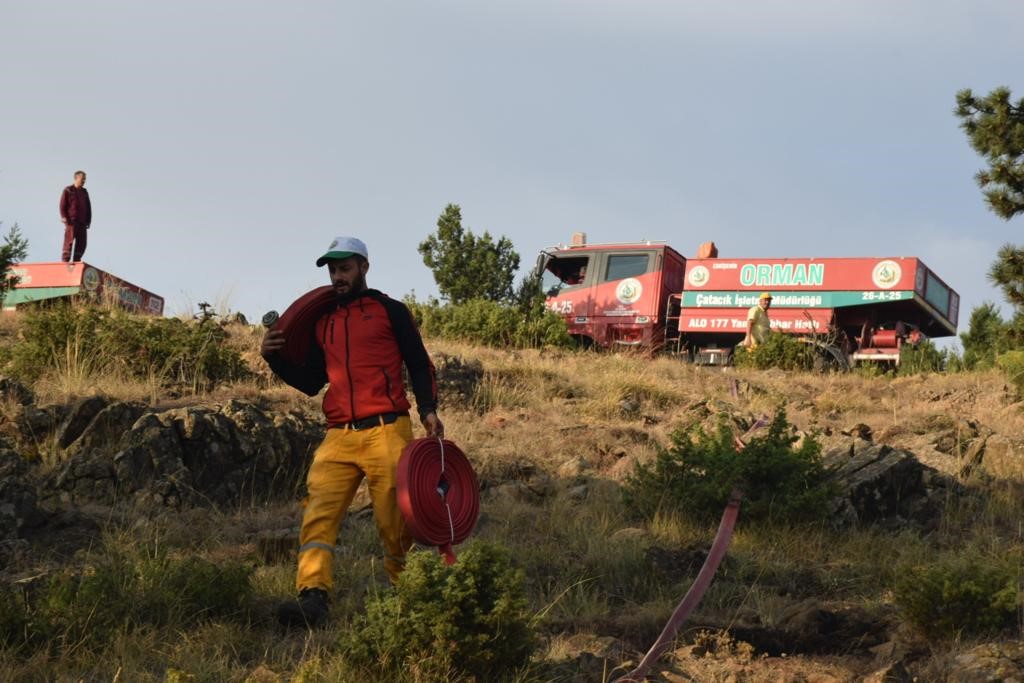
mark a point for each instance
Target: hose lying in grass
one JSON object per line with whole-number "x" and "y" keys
{"x": 702, "y": 582}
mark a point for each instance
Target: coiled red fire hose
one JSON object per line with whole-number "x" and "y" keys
{"x": 438, "y": 494}
{"x": 299, "y": 320}
{"x": 702, "y": 582}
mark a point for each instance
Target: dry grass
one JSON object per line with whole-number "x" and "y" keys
{"x": 554, "y": 421}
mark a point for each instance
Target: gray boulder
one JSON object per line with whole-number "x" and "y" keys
{"x": 11, "y": 390}
{"x": 881, "y": 484}
{"x": 197, "y": 455}
{"x": 990, "y": 663}
{"x": 105, "y": 431}
{"x": 18, "y": 502}
{"x": 78, "y": 418}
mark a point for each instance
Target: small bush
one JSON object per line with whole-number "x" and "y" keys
{"x": 87, "y": 339}
{"x": 122, "y": 593}
{"x": 959, "y": 597}
{"x": 468, "y": 619}
{"x": 696, "y": 474}
{"x": 1012, "y": 365}
{"x": 491, "y": 323}
{"x": 779, "y": 350}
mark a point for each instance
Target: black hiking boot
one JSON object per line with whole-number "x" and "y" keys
{"x": 308, "y": 611}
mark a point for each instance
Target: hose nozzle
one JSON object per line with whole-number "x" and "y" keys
{"x": 269, "y": 318}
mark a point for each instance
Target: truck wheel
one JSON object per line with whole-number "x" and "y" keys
{"x": 583, "y": 342}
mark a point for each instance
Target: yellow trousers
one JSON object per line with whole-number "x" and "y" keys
{"x": 339, "y": 465}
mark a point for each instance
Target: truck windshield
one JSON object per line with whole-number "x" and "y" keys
{"x": 564, "y": 272}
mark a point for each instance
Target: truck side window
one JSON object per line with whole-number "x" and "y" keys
{"x": 626, "y": 265}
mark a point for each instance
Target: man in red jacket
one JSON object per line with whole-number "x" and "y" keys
{"x": 76, "y": 213}
{"x": 358, "y": 351}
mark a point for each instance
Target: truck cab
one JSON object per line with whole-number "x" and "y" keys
{"x": 612, "y": 295}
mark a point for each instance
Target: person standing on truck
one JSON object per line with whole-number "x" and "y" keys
{"x": 76, "y": 214}
{"x": 358, "y": 350}
{"x": 759, "y": 325}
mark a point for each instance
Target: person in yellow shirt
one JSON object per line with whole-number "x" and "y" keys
{"x": 759, "y": 325}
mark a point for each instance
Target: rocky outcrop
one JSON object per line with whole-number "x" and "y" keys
{"x": 10, "y": 390}
{"x": 105, "y": 430}
{"x": 996, "y": 456}
{"x": 881, "y": 484}
{"x": 224, "y": 455}
{"x": 457, "y": 378}
{"x": 18, "y": 503}
{"x": 989, "y": 663}
{"x": 82, "y": 412}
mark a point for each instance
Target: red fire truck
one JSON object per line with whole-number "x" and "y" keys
{"x": 648, "y": 295}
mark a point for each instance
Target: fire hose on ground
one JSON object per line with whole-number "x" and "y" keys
{"x": 702, "y": 582}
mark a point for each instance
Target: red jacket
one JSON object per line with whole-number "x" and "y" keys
{"x": 359, "y": 351}
{"x": 75, "y": 207}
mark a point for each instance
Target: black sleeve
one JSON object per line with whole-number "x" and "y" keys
{"x": 309, "y": 378}
{"x": 414, "y": 355}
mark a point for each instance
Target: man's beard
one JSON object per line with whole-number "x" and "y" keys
{"x": 357, "y": 285}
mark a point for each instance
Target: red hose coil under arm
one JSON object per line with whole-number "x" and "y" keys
{"x": 438, "y": 494}
{"x": 299, "y": 321}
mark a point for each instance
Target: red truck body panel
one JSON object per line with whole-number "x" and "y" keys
{"x": 40, "y": 281}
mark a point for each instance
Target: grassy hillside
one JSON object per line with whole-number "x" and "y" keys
{"x": 553, "y": 436}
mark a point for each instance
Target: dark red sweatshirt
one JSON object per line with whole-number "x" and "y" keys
{"x": 75, "y": 207}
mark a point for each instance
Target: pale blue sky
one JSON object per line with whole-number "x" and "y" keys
{"x": 227, "y": 142}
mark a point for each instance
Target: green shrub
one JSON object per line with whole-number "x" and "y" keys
{"x": 1012, "y": 364}
{"x": 13, "y": 616}
{"x": 491, "y": 323}
{"x": 122, "y": 593}
{"x": 922, "y": 357}
{"x": 779, "y": 350}
{"x": 959, "y": 597}
{"x": 695, "y": 475}
{"x": 986, "y": 337}
{"x": 468, "y": 619}
{"x": 72, "y": 337}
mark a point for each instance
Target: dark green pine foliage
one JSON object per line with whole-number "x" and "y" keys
{"x": 469, "y": 620}
{"x": 782, "y": 481}
{"x": 13, "y": 250}
{"x": 467, "y": 266}
{"x": 1008, "y": 273}
{"x": 995, "y": 128}
{"x": 985, "y": 338}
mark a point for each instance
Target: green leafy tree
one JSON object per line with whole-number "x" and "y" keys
{"x": 467, "y": 266}
{"x": 985, "y": 338}
{"x": 13, "y": 250}
{"x": 995, "y": 128}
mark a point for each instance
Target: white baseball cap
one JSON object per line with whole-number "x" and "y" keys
{"x": 343, "y": 247}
